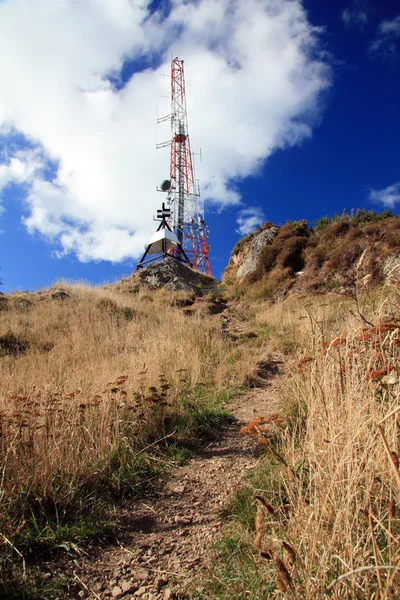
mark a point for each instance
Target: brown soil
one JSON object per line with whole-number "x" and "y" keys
{"x": 166, "y": 540}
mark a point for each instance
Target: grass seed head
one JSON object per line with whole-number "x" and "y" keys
{"x": 290, "y": 553}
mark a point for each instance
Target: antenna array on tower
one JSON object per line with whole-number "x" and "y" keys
{"x": 183, "y": 191}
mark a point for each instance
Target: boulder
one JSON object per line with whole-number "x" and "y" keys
{"x": 59, "y": 295}
{"x": 393, "y": 262}
{"x": 173, "y": 275}
{"x": 264, "y": 238}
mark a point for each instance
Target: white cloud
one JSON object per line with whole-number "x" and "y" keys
{"x": 356, "y": 15}
{"x": 20, "y": 169}
{"x": 387, "y": 42}
{"x": 253, "y": 83}
{"x": 248, "y": 219}
{"x": 389, "y": 196}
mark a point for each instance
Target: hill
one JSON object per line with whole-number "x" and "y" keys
{"x": 239, "y": 442}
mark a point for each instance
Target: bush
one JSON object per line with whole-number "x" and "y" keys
{"x": 267, "y": 258}
{"x": 344, "y": 257}
{"x": 291, "y": 254}
{"x": 322, "y": 223}
{"x": 241, "y": 244}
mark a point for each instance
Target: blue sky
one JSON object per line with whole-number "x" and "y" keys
{"x": 296, "y": 120}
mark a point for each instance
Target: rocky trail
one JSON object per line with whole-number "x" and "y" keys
{"x": 164, "y": 543}
{"x": 166, "y": 540}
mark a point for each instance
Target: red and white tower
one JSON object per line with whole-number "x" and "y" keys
{"x": 183, "y": 190}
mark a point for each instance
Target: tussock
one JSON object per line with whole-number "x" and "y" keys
{"x": 87, "y": 382}
{"x": 333, "y": 461}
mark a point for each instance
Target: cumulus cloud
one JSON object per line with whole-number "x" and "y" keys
{"x": 254, "y": 82}
{"x": 21, "y": 168}
{"x": 387, "y": 42}
{"x": 356, "y": 15}
{"x": 389, "y": 196}
{"x": 248, "y": 219}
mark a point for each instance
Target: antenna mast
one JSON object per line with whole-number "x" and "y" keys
{"x": 183, "y": 190}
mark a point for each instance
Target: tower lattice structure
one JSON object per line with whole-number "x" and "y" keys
{"x": 183, "y": 190}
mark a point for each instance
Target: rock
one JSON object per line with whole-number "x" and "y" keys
{"x": 117, "y": 592}
{"x": 82, "y": 594}
{"x": 127, "y": 586}
{"x": 177, "y": 489}
{"x": 173, "y": 275}
{"x": 391, "y": 263}
{"x": 159, "y": 583}
{"x": 182, "y": 520}
{"x": 140, "y": 574}
{"x": 167, "y": 594}
{"x": 141, "y": 591}
{"x": 262, "y": 239}
{"x": 59, "y": 295}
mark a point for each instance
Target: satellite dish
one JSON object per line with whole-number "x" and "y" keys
{"x": 166, "y": 185}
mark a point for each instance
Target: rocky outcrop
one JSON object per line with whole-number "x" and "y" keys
{"x": 264, "y": 238}
{"x": 391, "y": 264}
{"x": 173, "y": 275}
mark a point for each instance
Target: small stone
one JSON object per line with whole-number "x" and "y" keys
{"x": 117, "y": 592}
{"x": 159, "y": 582}
{"x": 178, "y": 489}
{"x": 82, "y": 594}
{"x": 182, "y": 520}
{"x": 140, "y": 575}
{"x": 167, "y": 594}
{"x": 127, "y": 586}
{"x": 141, "y": 591}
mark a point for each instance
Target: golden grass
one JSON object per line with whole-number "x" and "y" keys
{"x": 85, "y": 378}
{"x": 335, "y": 484}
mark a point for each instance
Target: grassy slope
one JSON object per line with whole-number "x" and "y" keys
{"x": 98, "y": 392}
{"x": 328, "y": 486}
{"x": 90, "y": 385}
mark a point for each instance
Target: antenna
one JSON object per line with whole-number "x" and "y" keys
{"x": 184, "y": 190}
{"x": 182, "y": 234}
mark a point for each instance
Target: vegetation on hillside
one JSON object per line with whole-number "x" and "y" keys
{"x": 325, "y": 254}
{"x": 320, "y": 518}
{"x": 99, "y": 390}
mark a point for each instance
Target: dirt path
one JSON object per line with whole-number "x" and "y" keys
{"x": 166, "y": 540}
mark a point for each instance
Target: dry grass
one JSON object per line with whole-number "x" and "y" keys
{"x": 86, "y": 383}
{"x": 331, "y": 475}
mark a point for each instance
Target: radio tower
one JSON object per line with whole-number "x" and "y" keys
{"x": 182, "y": 188}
